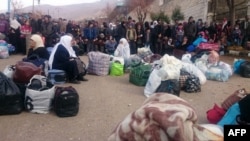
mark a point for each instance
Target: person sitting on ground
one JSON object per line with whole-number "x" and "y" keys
{"x": 123, "y": 50}
{"x": 37, "y": 47}
{"x": 64, "y": 58}
{"x": 183, "y": 46}
{"x": 110, "y": 46}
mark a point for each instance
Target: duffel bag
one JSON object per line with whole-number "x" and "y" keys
{"x": 25, "y": 71}
{"x": 245, "y": 69}
{"x": 11, "y": 101}
{"x": 139, "y": 75}
{"x": 66, "y": 102}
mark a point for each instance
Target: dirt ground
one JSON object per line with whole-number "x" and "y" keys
{"x": 104, "y": 101}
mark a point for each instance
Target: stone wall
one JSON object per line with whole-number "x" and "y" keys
{"x": 199, "y": 9}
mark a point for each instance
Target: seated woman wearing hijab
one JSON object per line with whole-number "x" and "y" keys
{"x": 64, "y": 58}
{"x": 37, "y": 47}
{"x": 123, "y": 49}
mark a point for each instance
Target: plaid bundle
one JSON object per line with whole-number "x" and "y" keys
{"x": 192, "y": 84}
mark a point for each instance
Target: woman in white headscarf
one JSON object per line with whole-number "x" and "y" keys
{"x": 122, "y": 49}
{"x": 37, "y": 47}
{"x": 63, "y": 57}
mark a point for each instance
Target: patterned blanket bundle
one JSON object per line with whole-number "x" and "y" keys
{"x": 163, "y": 117}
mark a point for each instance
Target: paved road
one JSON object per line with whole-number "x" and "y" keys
{"x": 104, "y": 101}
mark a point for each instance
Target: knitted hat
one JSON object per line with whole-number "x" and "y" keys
{"x": 244, "y": 105}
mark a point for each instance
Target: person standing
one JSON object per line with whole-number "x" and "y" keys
{"x": 26, "y": 31}
{"x": 131, "y": 37}
{"x": 47, "y": 31}
{"x": 190, "y": 29}
{"x": 90, "y": 34}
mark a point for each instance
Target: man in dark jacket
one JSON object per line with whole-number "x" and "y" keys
{"x": 190, "y": 29}
{"x": 47, "y": 31}
{"x": 90, "y": 34}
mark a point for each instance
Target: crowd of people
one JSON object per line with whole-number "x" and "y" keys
{"x": 160, "y": 36}
{"x": 122, "y": 39}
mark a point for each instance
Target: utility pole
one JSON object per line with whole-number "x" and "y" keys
{"x": 33, "y": 6}
{"x": 9, "y": 1}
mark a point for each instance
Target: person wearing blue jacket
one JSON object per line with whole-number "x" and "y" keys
{"x": 90, "y": 34}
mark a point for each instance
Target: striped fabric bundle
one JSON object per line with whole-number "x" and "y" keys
{"x": 98, "y": 63}
{"x": 233, "y": 98}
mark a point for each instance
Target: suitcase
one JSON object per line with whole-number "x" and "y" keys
{"x": 57, "y": 76}
{"x": 66, "y": 102}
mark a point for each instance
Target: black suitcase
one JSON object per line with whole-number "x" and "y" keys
{"x": 66, "y": 101}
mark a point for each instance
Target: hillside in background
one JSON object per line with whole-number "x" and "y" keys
{"x": 74, "y": 12}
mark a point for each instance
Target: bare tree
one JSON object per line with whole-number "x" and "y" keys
{"x": 231, "y": 7}
{"x": 17, "y": 5}
{"x": 108, "y": 10}
{"x": 141, "y": 8}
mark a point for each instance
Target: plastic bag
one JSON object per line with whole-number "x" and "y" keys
{"x": 117, "y": 69}
{"x": 9, "y": 71}
{"x": 39, "y": 95}
{"x": 153, "y": 83}
{"x": 4, "y": 51}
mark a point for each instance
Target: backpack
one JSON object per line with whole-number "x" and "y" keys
{"x": 192, "y": 84}
{"x": 66, "y": 101}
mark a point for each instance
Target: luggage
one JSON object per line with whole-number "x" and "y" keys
{"x": 9, "y": 71}
{"x": 209, "y": 46}
{"x": 98, "y": 63}
{"x": 215, "y": 114}
{"x": 11, "y": 101}
{"x": 169, "y": 86}
{"x": 233, "y": 98}
{"x": 117, "y": 69}
{"x": 39, "y": 95}
{"x": 245, "y": 69}
{"x": 192, "y": 84}
{"x": 66, "y": 102}
{"x": 25, "y": 71}
{"x": 139, "y": 75}
{"x": 4, "y": 51}
{"x": 178, "y": 53}
{"x": 57, "y": 76}
{"x": 36, "y": 60}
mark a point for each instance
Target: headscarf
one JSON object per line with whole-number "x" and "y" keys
{"x": 38, "y": 40}
{"x": 65, "y": 41}
{"x": 123, "y": 49}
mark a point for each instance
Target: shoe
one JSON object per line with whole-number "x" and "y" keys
{"x": 83, "y": 79}
{"x": 74, "y": 81}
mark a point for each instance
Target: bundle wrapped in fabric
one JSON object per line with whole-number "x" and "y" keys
{"x": 144, "y": 53}
{"x": 208, "y": 46}
{"x": 220, "y": 71}
{"x": 164, "y": 117}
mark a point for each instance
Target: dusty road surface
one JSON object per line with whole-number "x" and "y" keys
{"x": 104, "y": 101}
